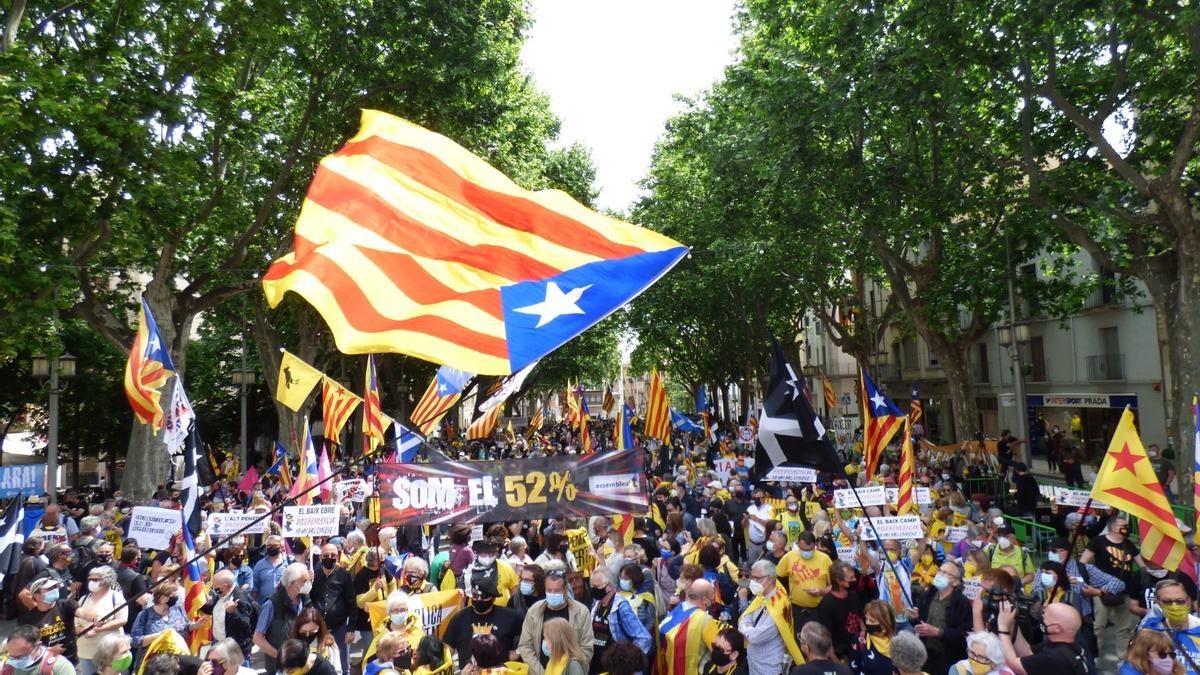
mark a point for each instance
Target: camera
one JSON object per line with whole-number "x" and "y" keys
{"x": 1029, "y": 610}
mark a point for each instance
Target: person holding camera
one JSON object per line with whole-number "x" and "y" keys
{"x": 1058, "y": 654}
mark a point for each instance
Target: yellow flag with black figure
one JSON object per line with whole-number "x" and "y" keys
{"x": 296, "y": 381}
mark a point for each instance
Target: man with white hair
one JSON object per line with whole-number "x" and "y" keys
{"x": 353, "y": 549}
{"x": 766, "y": 623}
{"x": 276, "y": 616}
{"x": 232, "y": 610}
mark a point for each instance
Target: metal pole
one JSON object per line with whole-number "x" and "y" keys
{"x": 242, "y": 454}
{"x": 52, "y": 436}
{"x": 1015, "y": 347}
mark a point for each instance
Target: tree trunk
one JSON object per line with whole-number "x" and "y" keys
{"x": 1181, "y": 308}
{"x": 954, "y": 362}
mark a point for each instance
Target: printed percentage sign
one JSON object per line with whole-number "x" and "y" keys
{"x": 561, "y": 484}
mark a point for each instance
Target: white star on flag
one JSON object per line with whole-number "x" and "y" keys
{"x": 878, "y": 400}
{"x": 556, "y": 304}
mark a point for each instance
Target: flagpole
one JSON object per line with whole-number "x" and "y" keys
{"x": 879, "y": 542}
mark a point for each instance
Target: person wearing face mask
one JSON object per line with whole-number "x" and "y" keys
{"x": 268, "y": 570}
{"x": 735, "y": 510}
{"x": 530, "y": 588}
{"x": 164, "y": 612}
{"x": 233, "y": 612}
{"x": 400, "y": 621}
{"x": 556, "y": 605}
{"x": 483, "y": 615}
{"x": 310, "y": 629}
{"x": 687, "y": 633}
{"x": 1058, "y": 654}
{"x": 333, "y": 595}
{"x": 943, "y": 617}
{"x": 234, "y": 560}
{"x": 613, "y": 619}
{"x": 1008, "y": 551}
{"x": 372, "y": 583}
{"x": 804, "y": 572}
{"x": 53, "y": 616}
{"x": 114, "y": 655}
{"x": 1086, "y": 583}
{"x": 1153, "y": 653}
{"x": 1114, "y": 554}
{"x": 776, "y": 547}
{"x": 488, "y": 566}
{"x": 817, "y": 648}
{"x": 767, "y": 623}
{"x": 1052, "y": 585}
{"x": 102, "y": 598}
{"x": 791, "y": 521}
{"x": 295, "y": 658}
{"x": 28, "y": 656}
{"x": 1141, "y": 594}
{"x": 841, "y": 610}
{"x": 759, "y": 516}
{"x": 985, "y": 656}
{"x": 1173, "y": 617}
{"x": 277, "y": 615}
{"x": 728, "y": 654}
{"x": 871, "y": 654}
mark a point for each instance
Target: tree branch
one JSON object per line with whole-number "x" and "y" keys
{"x": 1185, "y": 147}
{"x": 12, "y": 22}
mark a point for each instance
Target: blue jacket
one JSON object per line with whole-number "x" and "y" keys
{"x": 624, "y": 624}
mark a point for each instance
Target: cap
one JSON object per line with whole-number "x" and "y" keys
{"x": 1058, "y": 543}
{"x": 485, "y": 546}
{"x": 715, "y": 484}
{"x": 38, "y": 585}
{"x": 485, "y": 588}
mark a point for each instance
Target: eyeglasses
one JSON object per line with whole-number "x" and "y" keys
{"x": 1165, "y": 655}
{"x": 980, "y": 658}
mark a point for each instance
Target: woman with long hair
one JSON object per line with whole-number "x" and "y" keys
{"x": 432, "y": 657}
{"x": 873, "y": 653}
{"x": 561, "y": 645}
{"x": 1152, "y": 652}
{"x": 310, "y": 629}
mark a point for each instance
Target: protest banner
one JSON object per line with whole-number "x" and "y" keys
{"x": 724, "y": 466}
{"x": 22, "y": 479}
{"x": 1068, "y": 497}
{"x": 352, "y": 490}
{"x": 955, "y": 534}
{"x": 793, "y": 474}
{"x": 435, "y": 609}
{"x": 873, "y": 495}
{"x": 846, "y": 553}
{"x": 921, "y": 494}
{"x": 153, "y": 527}
{"x": 319, "y": 520}
{"x": 892, "y": 527}
{"x": 577, "y": 541}
{"x": 972, "y": 588}
{"x": 562, "y": 486}
{"x": 222, "y": 524}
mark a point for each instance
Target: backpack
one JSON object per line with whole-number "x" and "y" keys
{"x": 46, "y": 667}
{"x": 85, "y": 560}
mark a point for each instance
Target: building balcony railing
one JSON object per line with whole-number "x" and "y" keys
{"x": 1106, "y": 367}
{"x": 886, "y": 372}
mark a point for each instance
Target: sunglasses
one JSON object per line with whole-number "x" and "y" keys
{"x": 1166, "y": 655}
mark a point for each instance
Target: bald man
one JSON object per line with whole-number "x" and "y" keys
{"x": 687, "y": 633}
{"x": 1057, "y": 655}
{"x": 234, "y": 613}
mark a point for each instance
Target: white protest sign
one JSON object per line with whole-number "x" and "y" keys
{"x": 955, "y": 534}
{"x": 872, "y": 495}
{"x": 892, "y": 527}
{"x": 153, "y": 527}
{"x": 792, "y": 474}
{"x": 724, "y": 467}
{"x": 921, "y": 494}
{"x": 476, "y": 532}
{"x": 320, "y": 520}
{"x": 1069, "y": 497}
{"x": 846, "y": 553}
{"x": 972, "y": 588}
{"x": 745, "y": 434}
{"x": 224, "y": 524}
{"x": 353, "y": 490}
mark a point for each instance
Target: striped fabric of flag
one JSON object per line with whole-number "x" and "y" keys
{"x": 585, "y": 433}
{"x": 658, "y": 410}
{"x": 482, "y": 428}
{"x": 914, "y": 409}
{"x": 623, "y": 432}
{"x": 442, "y": 394}
{"x": 609, "y": 402}
{"x": 883, "y": 420}
{"x": 337, "y": 404}
{"x": 904, "y": 499}
{"x": 307, "y": 476}
{"x": 1196, "y": 450}
{"x": 195, "y": 592}
{"x": 406, "y": 242}
{"x": 535, "y": 422}
{"x": 147, "y": 370}
{"x": 830, "y": 398}
{"x": 372, "y": 427}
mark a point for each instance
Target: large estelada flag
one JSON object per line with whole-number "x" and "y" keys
{"x": 337, "y": 404}
{"x": 409, "y": 243}
{"x": 443, "y": 392}
{"x": 147, "y": 370}
{"x": 1127, "y": 481}
{"x": 882, "y": 419}
{"x": 372, "y": 427}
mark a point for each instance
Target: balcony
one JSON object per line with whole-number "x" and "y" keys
{"x": 1106, "y": 367}
{"x": 886, "y": 372}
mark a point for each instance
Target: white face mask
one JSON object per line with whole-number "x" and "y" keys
{"x": 306, "y": 588}
{"x": 1004, "y": 542}
{"x": 486, "y": 560}
{"x": 756, "y": 587}
{"x": 93, "y": 586}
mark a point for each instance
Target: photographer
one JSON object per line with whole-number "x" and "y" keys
{"x": 1057, "y": 655}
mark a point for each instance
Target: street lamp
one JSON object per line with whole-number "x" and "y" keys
{"x": 62, "y": 366}
{"x": 1012, "y": 336}
{"x": 244, "y": 378}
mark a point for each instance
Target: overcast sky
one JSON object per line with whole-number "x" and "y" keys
{"x": 611, "y": 68}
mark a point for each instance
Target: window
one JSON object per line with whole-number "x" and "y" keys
{"x": 910, "y": 355}
{"x": 1037, "y": 355}
{"x": 981, "y": 363}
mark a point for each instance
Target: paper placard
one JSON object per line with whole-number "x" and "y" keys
{"x": 792, "y": 474}
{"x": 955, "y": 534}
{"x": 224, "y": 524}
{"x": 745, "y": 434}
{"x": 353, "y": 490}
{"x": 871, "y": 495}
{"x": 476, "y": 533}
{"x": 921, "y": 494}
{"x": 320, "y": 520}
{"x": 153, "y": 527}
{"x": 972, "y": 588}
{"x": 724, "y": 466}
{"x": 892, "y": 527}
{"x": 1068, "y": 497}
{"x": 846, "y": 554}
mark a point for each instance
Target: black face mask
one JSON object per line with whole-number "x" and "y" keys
{"x": 720, "y": 658}
{"x": 874, "y": 629}
{"x": 104, "y": 559}
{"x": 328, "y": 563}
{"x": 273, "y": 551}
{"x": 483, "y": 605}
{"x": 171, "y": 601}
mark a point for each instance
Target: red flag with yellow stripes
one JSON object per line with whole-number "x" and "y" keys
{"x": 658, "y": 410}
{"x": 337, "y": 404}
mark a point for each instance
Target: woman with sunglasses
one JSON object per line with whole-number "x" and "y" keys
{"x": 225, "y": 657}
{"x": 728, "y": 654}
{"x": 1152, "y": 653}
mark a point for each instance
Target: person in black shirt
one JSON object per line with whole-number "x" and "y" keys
{"x": 1114, "y": 554}
{"x": 53, "y": 615}
{"x": 483, "y": 617}
{"x": 1141, "y": 593}
{"x": 817, "y": 647}
{"x": 840, "y": 610}
{"x": 1028, "y": 493}
{"x": 333, "y": 594}
{"x": 1057, "y": 655}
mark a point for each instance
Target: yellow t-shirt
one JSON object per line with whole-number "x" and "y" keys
{"x": 792, "y": 526}
{"x": 803, "y": 575}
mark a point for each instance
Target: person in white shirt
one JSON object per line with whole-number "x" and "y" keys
{"x": 232, "y": 610}
{"x": 758, "y": 515}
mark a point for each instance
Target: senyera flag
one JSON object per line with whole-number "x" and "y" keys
{"x": 409, "y": 243}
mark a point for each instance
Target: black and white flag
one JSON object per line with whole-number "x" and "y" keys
{"x": 789, "y": 431}
{"x": 12, "y": 537}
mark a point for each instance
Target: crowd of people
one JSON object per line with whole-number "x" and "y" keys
{"x": 725, "y": 575}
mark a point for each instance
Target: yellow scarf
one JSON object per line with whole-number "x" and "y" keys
{"x": 557, "y": 666}
{"x": 883, "y": 645}
{"x": 779, "y": 606}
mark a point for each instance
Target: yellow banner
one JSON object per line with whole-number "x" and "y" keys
{"x": 577, "y": 541}
{"x": 296, "y": 381}
{"x": 167, "y": 642}
{"x": 435, "y": 610}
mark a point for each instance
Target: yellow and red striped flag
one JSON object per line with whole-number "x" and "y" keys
{"x": 443, "y": 392}
{"x": 624, "y": 525}
{"x": 535, "y": 422}
{"x": 372, "y": 427}
{"x": 147, "y": 370}
{"x": 609, "y": 402}
{"x": 914, "y": 409}
{"x": 406, "y": 242}
{"x": 573, "y": 412}
{"x": 830, "y": 398}
{"x": 905, "y": 504}
{"x": 195, "y": 592}
{"x": 482, "y": 428}
{"x": 882, "y": 419}
{"x": 337, "y": 404}
{"x": 1127, "y": 482}
{"x": 658, "y": 410}
{"x": 585, "y": 433}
